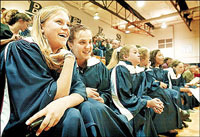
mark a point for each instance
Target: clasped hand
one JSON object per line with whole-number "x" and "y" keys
{"x": 157, "y": 105}
{"x": 92, "y": 93}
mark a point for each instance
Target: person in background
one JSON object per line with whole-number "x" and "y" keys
{"x": 96, "y": 78}
{"x": 2, "y": 10}
{"x": 197, "y": 72}
{"x": 167, "y": 62}
{"x": 16, "y": 22}
{"x": 177, "y": 82}
{"x": 129, "y": 92}
{"x": 42, "y": 80}
{"x": 103, "y": 47}
{"x": 96, "y": 50}
{"x": 114, "y": 44}
{"x": 188, "y": 75}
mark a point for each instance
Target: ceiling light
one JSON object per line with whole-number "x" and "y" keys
{"x": 140, "y": 3}
{"x": 164, "y": 25}
{"x": 96, "y": 16}
{"x": 127, "y": 31}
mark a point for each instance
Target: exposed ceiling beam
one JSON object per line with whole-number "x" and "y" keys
{"x": 133, "y": 11}
{"x": 121, "y": 17}
{"x": 169, "y": 15}
{"x": 175, "y": 6}
{"x": 158, "y": 18}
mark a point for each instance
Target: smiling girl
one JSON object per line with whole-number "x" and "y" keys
{"x": 96, "y": 78}
{"x": 42, "y": 80}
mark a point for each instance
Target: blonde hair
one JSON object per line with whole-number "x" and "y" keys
{"x": 117, "y": 56}
{"x": 143, "y": 52}
{"x": 12, "y": 12}
{"x": 38, "y": 37}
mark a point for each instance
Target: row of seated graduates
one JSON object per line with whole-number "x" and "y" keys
{"x": 142, "y": 117}
{"x": 171, "y": 97}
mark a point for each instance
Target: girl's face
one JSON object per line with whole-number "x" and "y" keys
{"x": 56, "y": 30}
{"x": 82, "y": 45}
{"x": 133, "y": 57}
{"x": 179, "y": 68}
{"x": 23, "y": 24}
{"x": 159, "y": 58}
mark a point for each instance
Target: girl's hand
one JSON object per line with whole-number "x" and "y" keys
{"x": 60, "y": 55}
{"x": 91, "y": 92}
{"x": 156, "y": 104}
{"x": 100, "y": 99}
{"x": 16, "y": 37}
{"x": 52, "y": 112}
{"x": 163, "y": 85}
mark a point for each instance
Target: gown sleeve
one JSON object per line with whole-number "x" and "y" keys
{"x": 126, "y": 93}
{"x": 104, "y": 83}
{"x": 77, "y": 85}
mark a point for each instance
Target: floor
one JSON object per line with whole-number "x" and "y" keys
{"x": 194, "y": 127}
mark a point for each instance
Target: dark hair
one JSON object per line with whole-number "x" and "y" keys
{"x": 15, "y": 17}
{"x": 153, "y": 57}
{"x": 74, "y": 29}
{"x": 166, "y": 59}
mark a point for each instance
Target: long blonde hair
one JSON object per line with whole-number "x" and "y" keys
{"x": 38, "y": 37}
{"x": 119, "y": 55}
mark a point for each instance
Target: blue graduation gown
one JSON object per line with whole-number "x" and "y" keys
{"x": 5, "y": 33}
{"x": 96, "y": 75}
{"x": 131, "y": 91}
{"x": 170, "y": 117}
{"x": 31, "y": 86}
{"x": 179, "y": 82}
{"x": 161, "y": 75}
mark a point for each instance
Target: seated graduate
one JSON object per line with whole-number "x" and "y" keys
{"x": 169, "y": 119}
{"x": 177, "y": 82}
{"x": 96, "y": 78}
{"x": 129, "y": 92}
{"x": 42, "y": 80}
{"x": 11, "y": 24}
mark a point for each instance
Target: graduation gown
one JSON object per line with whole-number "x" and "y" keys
{"x": 161, "y": 75}
{"x": 5, "y": 34}
{"x": 177, "y": 82}
{"x": 170, "y": 117}
{"x": 131, "y": 91}
{"x": 96, "y": 75}
{"x": 32, "y": 86}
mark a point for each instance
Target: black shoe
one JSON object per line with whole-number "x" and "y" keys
{"x": 188, "y": 120}
{"x": 184, "y": 115}
{"x": 169, "y": 134}
{"x": 185, "y": 125}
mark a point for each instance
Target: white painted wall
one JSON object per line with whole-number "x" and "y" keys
{"x": 186, "y": 43}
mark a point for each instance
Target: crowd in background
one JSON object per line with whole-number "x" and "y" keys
{"x": 136, "y": 92}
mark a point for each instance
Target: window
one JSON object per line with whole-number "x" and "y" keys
{"x": 166, "y": 47}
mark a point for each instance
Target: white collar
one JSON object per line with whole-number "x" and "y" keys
{"x": 172, "y": 74}
{"x": 92, "y": 61}
{"x": 29, "y": 39}
{"x": 131, "y": 68}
